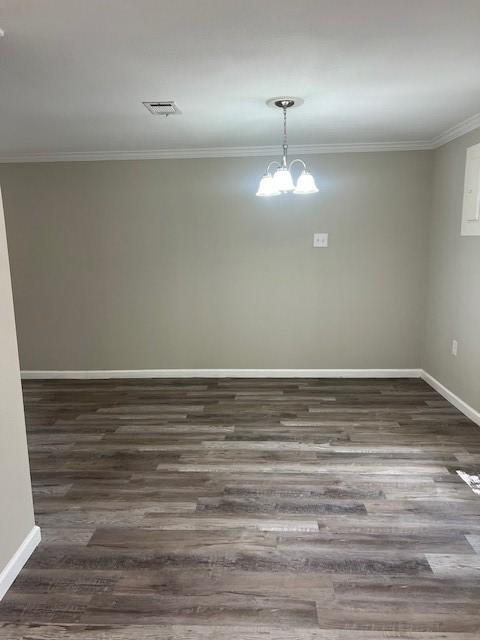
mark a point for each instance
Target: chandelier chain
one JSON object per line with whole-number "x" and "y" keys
{"x": 285, "y": 140}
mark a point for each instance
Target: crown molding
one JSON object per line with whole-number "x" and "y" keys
{"x": 215, "y": 152}
{"x": 242, "y": 152}
{"x": 456, "y": 131}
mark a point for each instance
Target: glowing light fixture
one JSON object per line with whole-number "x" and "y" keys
{"x": 305, "y": 183}
{"x": 267, "y": 187}
{"x": 281, "y": 181}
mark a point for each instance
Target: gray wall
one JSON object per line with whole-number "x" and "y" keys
{"x": 16, "y": 509}
{"x": 453, "y": 285}
{"x": 176, "y": 264}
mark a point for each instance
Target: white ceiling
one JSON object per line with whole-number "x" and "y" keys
{"x": 74, "y": 73}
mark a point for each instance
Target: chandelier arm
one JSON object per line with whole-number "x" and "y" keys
{"x": 297, "y": 160}
{"x": 270, "y": 164}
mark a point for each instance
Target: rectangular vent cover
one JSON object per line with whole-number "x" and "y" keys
{"x": 162, "y": 107}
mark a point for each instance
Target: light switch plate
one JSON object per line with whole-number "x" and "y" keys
{"x": 320, "y": 240}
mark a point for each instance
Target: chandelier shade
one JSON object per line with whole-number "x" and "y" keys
{"x": 305, "y": 184}
{"x": 267, "y": 187}
{"x": 282, "y": 182}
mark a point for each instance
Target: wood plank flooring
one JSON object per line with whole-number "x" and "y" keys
{"x": 248, "y": 510}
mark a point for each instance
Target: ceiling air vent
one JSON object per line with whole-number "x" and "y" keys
{"x": 162, "y": 108}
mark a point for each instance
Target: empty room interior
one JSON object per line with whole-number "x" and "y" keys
{"x": 239, "y": 320}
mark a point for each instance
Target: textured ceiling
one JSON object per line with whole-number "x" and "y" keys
{"x": 74, "y": 73}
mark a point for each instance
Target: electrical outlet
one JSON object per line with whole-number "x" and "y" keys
{"x": 454, "y": 347}
{"x": 320, "y": 240}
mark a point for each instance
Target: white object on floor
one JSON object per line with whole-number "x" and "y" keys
{"x": 472, "y": 481}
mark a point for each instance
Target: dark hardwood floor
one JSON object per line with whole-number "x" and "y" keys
{"x": 248, "y": 510}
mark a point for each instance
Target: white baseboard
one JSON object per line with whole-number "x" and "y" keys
{"x": 18, "y": 560}
{"x": 457, "y": 402}
{"x": 223, "y": 373}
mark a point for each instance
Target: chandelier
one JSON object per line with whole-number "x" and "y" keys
{"x": 281, "y": 181}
